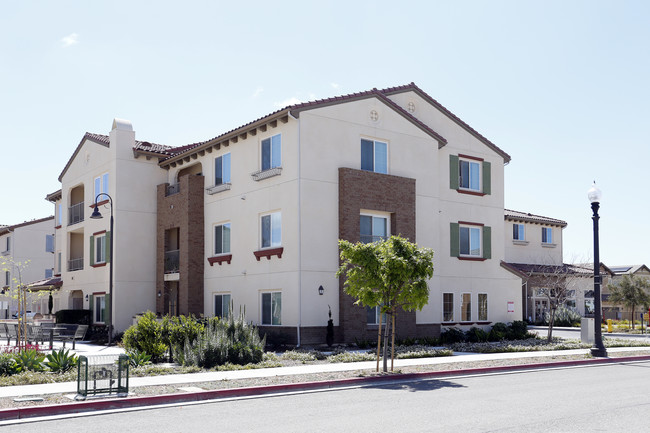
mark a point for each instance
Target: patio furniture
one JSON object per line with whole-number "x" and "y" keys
{"x": 4, "y": 332}
{"x": 70, "y": 333}
{"x": 12, "y": 332}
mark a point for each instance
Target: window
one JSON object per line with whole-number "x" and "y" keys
{"x": 222, "y": 238}
{"x": 447, "y": 307}
{"x": 518, "y": 232}
{"x": 222, "y": 169}
{"x": 482, "y": 306}
{"x": 272, "y": 308}
{"x": 373, "y": 228}
{"x": 271, "y": 152}
{"x": 466, "y": 307}
{"x": 470, "y": 241}
{"x": 372, "y": 315}
{"x": 374, "y": 156}
{"x": 49, "y": 243}
{"x": 470, "y": 175}
{"x": 8, "y": 244}
{"x": 7, "y": 278}
{"x": 101, "y": 185}
{"x": 271, "y": 230}
{"x": 100, "y": 248}
{"x": 58, "y": 262}
{"x": 49, "y": 273}
{"x": 99, "y": 307}
{"x": 222, "y": 306}
{"x": 547, "y": 235}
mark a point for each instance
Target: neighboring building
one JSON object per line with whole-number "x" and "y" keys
{"x": 251, "y": 218}
{"x": 30, "y": 246}
{"x": 615, "y": 311}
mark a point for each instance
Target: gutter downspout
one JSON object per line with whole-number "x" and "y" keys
{"x": 299, "y": 238}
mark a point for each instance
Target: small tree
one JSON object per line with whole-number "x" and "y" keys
{"x": 389, "y": 275}
{"x": 631, "y": 292}
{"x": 18, "y": 292}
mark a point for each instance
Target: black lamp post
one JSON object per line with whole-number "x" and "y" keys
{"x": 97, "y": 215}
{"x": 598, "y": 349}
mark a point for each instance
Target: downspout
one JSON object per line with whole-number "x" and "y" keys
{"x": 299, "y": 239}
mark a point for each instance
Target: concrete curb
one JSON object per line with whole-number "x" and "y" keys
{"x": 16, "y": 414}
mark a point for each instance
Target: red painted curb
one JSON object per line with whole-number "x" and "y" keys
{"x": 131, "y": 402}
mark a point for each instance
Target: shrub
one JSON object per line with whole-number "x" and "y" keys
{"x": 60, "y": 361}
{"x": 221, "y": 341}
{"x": 138, "y": 359}
{"x": 563, "y": 317}
{"x": 30, "y": 359}
{"x": 476, "y": 335}
{"x": 499, "y": 332}
{"x": 80, "y": 317}
{"x": 452, "y": 335}
{"x": 8, "y": 364}
{"x": 178, "y": 330}
{"x": 519, "y": 330}
{"x": 146, "y": 336}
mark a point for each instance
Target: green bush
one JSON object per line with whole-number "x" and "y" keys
{"x": 221, "y": 341}
{"x": 563, "y": 317}
{"x": 499, "y": 332}
{"x": 146, "y": 336}
{"x": 518, "y": 330}
{"x": 138, "y": 359}
{"x": 476, "y": 335}
{"x": 178, "y": 330}
{"x": 30, "y": 359}
{"x": 60, "y": 361}
{"x": 8, "y": 364}
{"x": 452, "y": 335}
{"x": 80, "y": 317}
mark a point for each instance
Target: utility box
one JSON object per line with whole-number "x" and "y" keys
{"x": 587, "y": 330}
{"x": 102, "y": 374}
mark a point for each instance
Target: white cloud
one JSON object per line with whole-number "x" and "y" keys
{"x": 291, "y": 101}
{"x": 258, "y": 91}
{"x": 70, "y": 40}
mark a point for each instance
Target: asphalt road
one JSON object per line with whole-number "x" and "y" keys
{"x": 611, "y": 397}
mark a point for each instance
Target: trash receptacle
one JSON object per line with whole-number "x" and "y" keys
{"x": 102, "y": 374}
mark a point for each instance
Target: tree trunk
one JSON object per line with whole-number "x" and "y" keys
{"x": 392, "y": 343}
{"x": 385, "y": 348}
{"x": 633, "y": 315}
{"x": 551, "y": 320}
{"x": 378, "y": 341}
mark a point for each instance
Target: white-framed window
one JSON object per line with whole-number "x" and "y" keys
{"x": 374, "y": 156}
{"x": 222, "y": 305}
{"x": 374, "y": 227}
{"x": 272, "y": 308}
{"x": 222, "y": 169}
{"x": 99, "y": 308}
{"x": 49, "y": 273}
{"x": 447, "y": 307}
{"x": 222, "y": 238}
{"x": 272, "y": 152}
{"x": 7, "y": 244}
{"x": 101, "y": 185}
{"x": 466, "y": 307}
{"x": 49, "y": 243}
{"x": 470, "y": 240}
{"x": 518, "y": 233}
{"x": 547, "y": 235}
{"x": 271, "y": 230}
{"x": 100, "y": 249}
{"x": 469, "y": 172}
{"x": 373, "y": 316}
{"x": 482, "y": 306}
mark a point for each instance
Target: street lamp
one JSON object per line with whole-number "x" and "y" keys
{"x": 598, "y": 349}
{"x": 97, "y": 215}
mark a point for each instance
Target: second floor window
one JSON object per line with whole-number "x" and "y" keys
{"x": 222, "y": 238}
{"x": 373, "y": 228}
{"x": 222, "y": 169}
{"x": 8, "y": 244}
{"x": 100, "y": 249}
{"x": 470, "y": 241}
{"x": 470, "y": 174}
{"x": 101, "y": 186}
{"x": 518, "y": 232}
{"x": 49, "y": 243}
{"x": 374, "y": 156}
{"x": 271, "y": 230}
{"x": 272, "y": 152}
{"x": 547, "y": 235}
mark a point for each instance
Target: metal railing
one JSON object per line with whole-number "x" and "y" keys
{"x": 76, "y": 213}
{"x": 367, "y": 239}
{"x": 173, "y": 189}
{"x": 172, "y": 261}
{"x": 75, "y": 264}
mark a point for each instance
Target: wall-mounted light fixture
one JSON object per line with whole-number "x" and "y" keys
{"x": 321, "y": 290}
{"x": 159, "y": 293}
{"x": 86, "y": 297}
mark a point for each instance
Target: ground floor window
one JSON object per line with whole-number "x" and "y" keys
{"x": 482, "y": 306}
{"x": 447, "y": 307}
{"x": 99, "y": 308}
{"x": 466, "y": 307}
{"x": 373, "y": 316}
{"x": 272, "y": 308}
{"x": 222, "y": 305}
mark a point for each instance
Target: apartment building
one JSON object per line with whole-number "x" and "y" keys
{"x": 250, "y": 219}
{"x": 28, "y": 250}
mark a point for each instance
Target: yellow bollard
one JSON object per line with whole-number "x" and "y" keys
{"x": 609, "y": 325}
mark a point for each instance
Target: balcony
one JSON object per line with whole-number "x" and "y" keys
{"x": 75, "y": 264}
{"x": 368, "y": 239}
{"x": 75, "y": 213}
{"x": 172, "y": 261}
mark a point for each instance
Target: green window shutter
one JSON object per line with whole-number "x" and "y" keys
{"x": 92, "y": 250}
{"x": 455, "y": 239}
{"x": 453, "y": 172}
{"x": 487, "y": 242}
{"x": 107, "y": 247}
{"x": 487, "y": 177}
{"x": 91, "y": 307}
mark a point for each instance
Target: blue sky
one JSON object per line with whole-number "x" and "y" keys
{"x": 562, "y": 86}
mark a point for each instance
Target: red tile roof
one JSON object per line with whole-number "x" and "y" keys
{"x": 531, "y": 218}
{"x": 7, "y": 229}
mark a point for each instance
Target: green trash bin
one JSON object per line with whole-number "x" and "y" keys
{"x": 102, "y": 374}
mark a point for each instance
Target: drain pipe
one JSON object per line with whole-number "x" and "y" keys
{"x": 299, "y": 238}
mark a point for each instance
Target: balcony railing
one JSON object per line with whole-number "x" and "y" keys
{"x": 172, "y": 261}
{"x": 75, "y": 264}
{"x": 76, "y": 213}
{"x": 367, "y": 239}
{"x": 173, "y": 189}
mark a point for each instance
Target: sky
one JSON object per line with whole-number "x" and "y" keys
{"x": 562, "y": 86}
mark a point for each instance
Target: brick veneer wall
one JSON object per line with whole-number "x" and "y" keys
{"x": 183, "y": 210}
{"x": 358, "y": 190}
